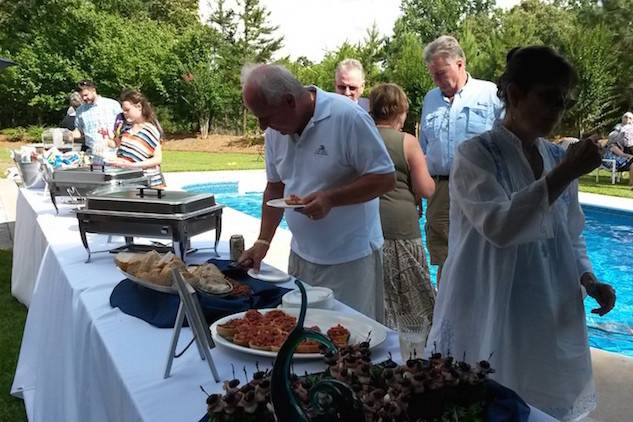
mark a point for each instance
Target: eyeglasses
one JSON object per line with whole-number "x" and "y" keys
{"x": 343, "y": 87}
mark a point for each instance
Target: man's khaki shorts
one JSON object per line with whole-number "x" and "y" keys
{"x": 437, "y": 223}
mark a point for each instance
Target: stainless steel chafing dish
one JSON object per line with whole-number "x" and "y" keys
{"x": 82, "y": 181}
{"x": 152, "y": 213}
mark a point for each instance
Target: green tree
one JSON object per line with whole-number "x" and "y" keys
{"x": 590, "y": 50}
{"x": 430, "y": 19}
{"x": 248, "y": 35}
{"x": 405, "y": 67}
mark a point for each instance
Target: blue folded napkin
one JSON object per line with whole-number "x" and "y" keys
{"x": 506, "y": 405}
{"x": 159, "y": 309}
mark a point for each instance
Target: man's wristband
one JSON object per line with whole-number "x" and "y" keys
{"x": 262, "y": 242}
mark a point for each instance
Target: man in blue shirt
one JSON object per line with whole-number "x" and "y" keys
{"x": 459, "y": 108}
{"x": 96, "y": 116}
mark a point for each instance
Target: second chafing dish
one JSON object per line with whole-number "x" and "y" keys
{"x": 82, "y": 181}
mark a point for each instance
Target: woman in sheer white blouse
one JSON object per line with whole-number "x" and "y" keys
{"x": 517, "y": 264}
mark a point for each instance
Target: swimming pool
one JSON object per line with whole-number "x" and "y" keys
{"x": 609, "y": 237}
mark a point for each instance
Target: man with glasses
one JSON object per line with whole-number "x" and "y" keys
{"x": 459, "y": 108}
{"x": 349, "y": 80}
{"x": 95, "y": 117}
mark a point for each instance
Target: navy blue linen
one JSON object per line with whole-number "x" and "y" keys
{"x": 159, "y": 309}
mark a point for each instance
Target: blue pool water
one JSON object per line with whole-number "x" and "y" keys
{"x": 609, "y": 237}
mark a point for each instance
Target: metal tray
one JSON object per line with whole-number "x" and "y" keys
{"x": 149, "y": 284}
{"x": 148, "y": 200}
{"x": 172, "y": 289}
{"x": 95, "y": 174}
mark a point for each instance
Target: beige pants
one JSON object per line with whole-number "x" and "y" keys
{"x": 436, "y": 227}
{"x": 358, "y": 284}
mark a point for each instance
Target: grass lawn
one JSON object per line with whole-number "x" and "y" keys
{"x": 12, "y": 318}
{"x": 604, "y": 187}
{"x": 208, "y": 161}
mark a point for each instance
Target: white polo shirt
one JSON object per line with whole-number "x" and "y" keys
{"x": 339, "y": 144}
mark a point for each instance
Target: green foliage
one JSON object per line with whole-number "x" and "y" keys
{"x": 430, "y": 19}
{"x": 404, "y": 66}
{"x": 191, "y": 71}
{"x": 21, "y": 134}
{"x": 12, "y": 319}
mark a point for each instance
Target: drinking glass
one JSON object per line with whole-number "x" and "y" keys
{"x": 412, "y": 333}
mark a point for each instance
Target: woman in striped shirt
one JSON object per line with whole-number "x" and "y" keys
{"x": 138, "y": 138}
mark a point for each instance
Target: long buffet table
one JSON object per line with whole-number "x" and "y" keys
{"x": 82, "y": 360}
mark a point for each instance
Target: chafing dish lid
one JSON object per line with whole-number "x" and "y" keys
{"x": 148, "y": 200}
{"x": 95, "y": 174}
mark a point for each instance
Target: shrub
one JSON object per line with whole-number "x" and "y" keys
{"x": 20, "y": 134}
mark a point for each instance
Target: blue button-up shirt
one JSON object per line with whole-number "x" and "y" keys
{"x": 91, "y": 118}
{"x": 445, "y": 124}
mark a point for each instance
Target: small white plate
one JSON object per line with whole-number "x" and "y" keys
{"x": 281, "y": 203}
{"x": 270, "y": 274}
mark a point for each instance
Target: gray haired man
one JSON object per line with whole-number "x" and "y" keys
{"x": 328, "y": 152}
{"x": 459, "y": 108}
{"x": 349, "y": 80}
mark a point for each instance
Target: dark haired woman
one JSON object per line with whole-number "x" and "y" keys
{"x": 138, "y": 138}
{"x": 517, "y": 264}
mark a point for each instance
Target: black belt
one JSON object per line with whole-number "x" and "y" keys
{"x": 440, "y": 178}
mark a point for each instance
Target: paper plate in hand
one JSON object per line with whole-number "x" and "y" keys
{"x": 360, "y": 329}
{"x": 270, "y": 274}
{"x": 149, "y": 284}
{"x": 281, "y": 203}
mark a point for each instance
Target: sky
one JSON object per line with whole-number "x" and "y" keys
{"x": 312, "y": 27}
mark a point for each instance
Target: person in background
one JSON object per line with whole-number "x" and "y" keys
{"x": 95, "y": 117}
{"x": 459, "y": 108}
{"x": 349, "y": 80}
{"x": 622, "y": 134}
{"x": 623, "y": 160}
{"x": 71, "y": 114}
{"x": 409, "y": 294}
{"x": 138, "y": 138}
{"x": 328, "y": 152}
{"x": 517, "y": 267}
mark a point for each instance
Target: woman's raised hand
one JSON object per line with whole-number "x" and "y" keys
{"x": 583, "y": 156}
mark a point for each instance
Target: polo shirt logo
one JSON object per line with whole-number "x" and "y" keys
{"x": 321, "y": 150}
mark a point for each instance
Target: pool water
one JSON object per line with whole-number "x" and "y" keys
{"x": 609, "y": 237}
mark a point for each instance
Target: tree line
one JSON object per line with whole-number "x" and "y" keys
{"x": 190, "y": 69}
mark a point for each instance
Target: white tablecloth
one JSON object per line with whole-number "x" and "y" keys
{"x": 29, "y": 246}
{"x": 82, "y": 360}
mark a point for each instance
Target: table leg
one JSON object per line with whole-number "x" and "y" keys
{"x": 218, "y": 232}
{"x": 84, "y": 240}
{"x": 180, "y": 319}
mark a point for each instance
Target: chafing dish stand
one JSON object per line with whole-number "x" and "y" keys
{"x": 152, "y": 213}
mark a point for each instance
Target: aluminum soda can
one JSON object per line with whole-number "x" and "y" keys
{"x": 236, "y": 247}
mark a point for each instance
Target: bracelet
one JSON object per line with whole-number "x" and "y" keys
{"x": 263, "y": 242}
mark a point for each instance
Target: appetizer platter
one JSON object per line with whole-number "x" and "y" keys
{"x": 263, "y": 332}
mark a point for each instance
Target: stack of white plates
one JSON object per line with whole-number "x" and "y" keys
{"x": 318, "y": 297}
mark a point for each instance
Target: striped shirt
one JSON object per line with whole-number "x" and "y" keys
{"x": 140, "y": 146}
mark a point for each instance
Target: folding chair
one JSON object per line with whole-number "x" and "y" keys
{"x": 609, "y": 165}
